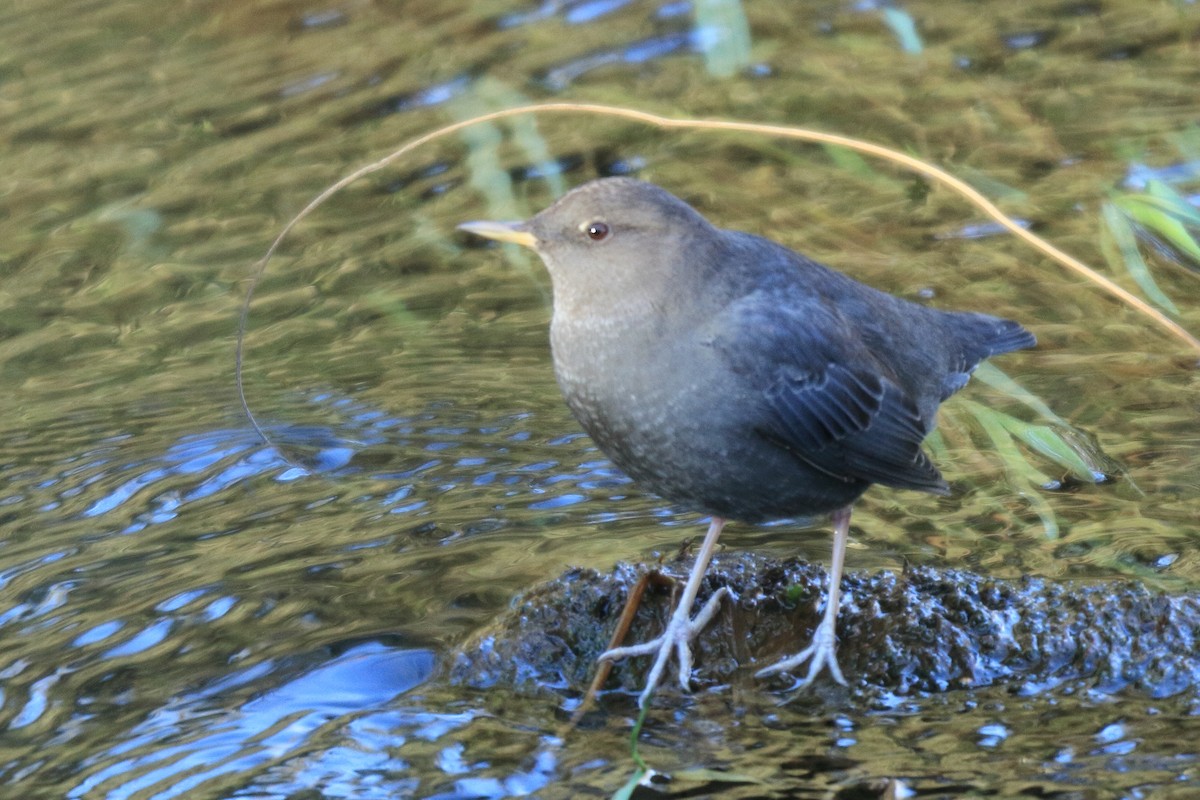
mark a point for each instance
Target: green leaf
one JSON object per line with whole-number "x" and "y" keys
{"x": 993, "y": 188}
{"x": 1155, "y": 217}
{"x": 633, "y": 738}
{"x": 1173, "y": 201}
{"x": 849, "y": 161}
{"x": 1167, "y": 214}
{"x": 1015, "y": 461}
{"x": 630, "y": 786}
{"x": 902, "y": 24}
{"x": 993, "y": 376}
{"x": 1126, "y": 241}
{"x": 1049, "y": 443}
{"x": 724, "y": 36}
{"x": 1022, "y": 473}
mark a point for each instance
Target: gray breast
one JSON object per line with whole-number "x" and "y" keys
{"x": 675, "y": 422}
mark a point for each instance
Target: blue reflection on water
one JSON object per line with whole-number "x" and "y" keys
{"x": 425, "y": 97}
{"x": 579, "y": 12}
{"x": 157, "y": 489}
{"x": 561, "y": 501}
{"x": 153, "y": 634}
{"x": 192, "y": 740}
{"x": 98, "y": 634}
{"x": 563, "y": 75}
{"x": 280, "y": 731}
{"x": 592, "y": 10}
{"x": 1140, "y": 175}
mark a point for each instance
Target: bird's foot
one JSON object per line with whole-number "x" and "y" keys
{"x": 681, "y": 630}
{"x": 822, "y": 652}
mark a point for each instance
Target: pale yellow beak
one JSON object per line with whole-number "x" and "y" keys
{"x": 502, "y": 232}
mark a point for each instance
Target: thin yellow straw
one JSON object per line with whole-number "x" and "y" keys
{"x": 789, "y": 132}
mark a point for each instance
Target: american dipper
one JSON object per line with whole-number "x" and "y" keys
{"x": 735, "y": 377}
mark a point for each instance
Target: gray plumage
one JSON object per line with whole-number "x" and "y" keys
{"x": 734, "y": 376}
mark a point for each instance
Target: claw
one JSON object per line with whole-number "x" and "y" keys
{"x": 823, "y": 650}
{"x": 682, "y": 628}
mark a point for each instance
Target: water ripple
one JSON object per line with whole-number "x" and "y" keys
{"x": 208, "y": 741}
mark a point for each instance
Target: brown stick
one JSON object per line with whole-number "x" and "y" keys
{"x": 633, "y": 602}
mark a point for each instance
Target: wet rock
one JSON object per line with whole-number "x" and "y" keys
{"x": 917, "y": 631}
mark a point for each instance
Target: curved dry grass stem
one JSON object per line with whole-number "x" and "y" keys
{"x": 785, "y": 131}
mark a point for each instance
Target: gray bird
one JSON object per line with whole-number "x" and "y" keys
{"x": 733, "y": 376}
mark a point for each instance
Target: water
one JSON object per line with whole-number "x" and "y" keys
{"x": 184, "y": 614}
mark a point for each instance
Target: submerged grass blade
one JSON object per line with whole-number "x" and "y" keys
{"x": 525, "y": 132}
{"x": 905, "y": 28}
{"x": 850, "y": 162}
{"x": 1024, "y": 476}
{"x": 1174, "y": 202}
{"x": 1051, "y": 444}
{"x": 483, "y": 162}
{"x": 642, "y": 772}
{"x": 724, "y": 35}
{"x": 1015, "y": 461}
{"x": 704, "y": 775}
{"x": 1155, "y": 216}
{"x": 1168, "y": 215}
{"x": 990, "y": 185}
{"x": 993, "y": 376}
{"x": 1125, "y": 239}
{"x": 487, "y": 173}
{"x": 1059, "y": 442}
{"x": 630, "y": 786}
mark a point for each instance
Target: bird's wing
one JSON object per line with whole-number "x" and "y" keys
{"x": 821, "y": 395}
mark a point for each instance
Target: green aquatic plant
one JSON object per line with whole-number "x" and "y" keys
{"x": 724, "y": 35}
{"x": 1022, "y": 444}
{"x": 905, "y": 29}
{"x": 1159, "y": 217}
{"x": 1023, "y": 475}
{"x": 1057, "y": 442}
{"x": 1163, "y": 213}
{"x": 923, "y": 168}
{"x": 1128, "y": 257}
{"x": 484, "y": 161}
{"x": 646, "y": 777}
{"x": 1053, "y": 438}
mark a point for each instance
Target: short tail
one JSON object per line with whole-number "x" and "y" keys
{"x": 1004, "y": 337}
{"x": 981, "y": 336}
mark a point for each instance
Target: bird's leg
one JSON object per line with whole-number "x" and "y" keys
{"x": 682, "y": 628}
{"x": 822, "y": 651}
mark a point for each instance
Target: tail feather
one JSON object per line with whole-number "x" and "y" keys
{"x": 1006, "y": 337}
{"x": 983, "y": 336}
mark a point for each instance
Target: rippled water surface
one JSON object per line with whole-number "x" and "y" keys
{"x": 185, "y": 614}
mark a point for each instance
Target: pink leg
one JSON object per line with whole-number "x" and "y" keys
{"x": 682, "y": 628}
{"x": 823, "y": 650}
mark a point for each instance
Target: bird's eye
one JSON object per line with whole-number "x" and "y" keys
{"x": 597, "y": 231}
